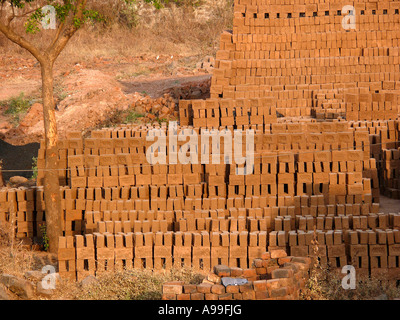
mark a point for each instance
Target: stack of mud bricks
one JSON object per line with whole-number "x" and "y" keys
{"x": 375, "y": 252}
{"x": 327, "y": 246}
{"x": 328, "y": 104}
{"x": 368, "y": 242}
{"x": 271, "y": 276}
{"x": 71, "y": 146}
{"x": 228, "y": 113}
{"x": 391, "y": 173}
{"x": 371, "y": 106}
{"x": 291, "y": 51}
{"x": 384, "y": 137}
{"x": 95, "y": 254}
{"x": 17, "y": 213}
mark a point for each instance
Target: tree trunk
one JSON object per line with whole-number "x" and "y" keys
{"x": 51, "y": 180}
{"x": 2, "y": 184}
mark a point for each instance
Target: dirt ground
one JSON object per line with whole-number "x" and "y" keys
{"x": 388, "y": 205}
{"x": 87, "y": 92}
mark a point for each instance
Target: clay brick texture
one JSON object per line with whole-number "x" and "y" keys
{"x": 323, "y": 104}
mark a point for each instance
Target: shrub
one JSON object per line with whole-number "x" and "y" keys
{"x": 16, "y": 107}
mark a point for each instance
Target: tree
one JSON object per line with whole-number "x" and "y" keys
{"x": 70, "y": 16}
{"x": 2, "y": 184}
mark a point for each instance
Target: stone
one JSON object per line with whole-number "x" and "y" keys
{"x": 89, "y": 280}
{"x": 33, "y": 116}
{"x": 20, "y": 287}
{"x": 34, "y": 275}
{"x": 228, "y": 281}
{"x": 18, "y": 180}
{"x": 4, "y": 295}
{"x": 42, "y": 291}
{"x": 5, "y": 125}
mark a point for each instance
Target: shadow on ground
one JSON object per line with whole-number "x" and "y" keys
{"x": 17, "y": 158}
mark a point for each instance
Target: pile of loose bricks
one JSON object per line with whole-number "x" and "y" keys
{"x": 323, "y": 104}
{"x": 272, "y": 276}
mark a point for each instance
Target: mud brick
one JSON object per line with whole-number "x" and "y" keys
{"x": 143, "y": 250}
{"x": 282, "y": 273}
{"x": 360, "y": 250}
{"x": 257, "y": 263}
{"x": 85, "y": 247}
{"x": 278, "y": 253}
{"x": 141, "y": 179}
{"x": 172, "y": 288}
{"x": 197, "y": 296}
{"x": 94, "y": 182}
{"x": 376, "y": 250}
{"x": 218, "y": 289}
{"x": 66, "y": 249}
{"x": 183, "y": 296}
{"x": 78, "y": 182}
{"x": 127, "y": 181}
{"x": 260, "y": 285}
{"x": 225, "y": 296}
{"x": 336, "y": 250}
{"x": 236, "y": 272}
{"x": 249, "y": 273}
{"x": 168, "y": 296}
{"x": 394, "y": 273}
{"x": 266, "y": 256}
{"x": 379, "y": 273}
{"x": 211, "y": 277}
{"x": 204, "y": 288}
{"x": 278, "y": 293}
{"x": 222, "y": 271}
{"x": 189, "y": 288}
{"x": 123, "y": 251}
{"x": 211, "y": 296}
{"x": 262, "y": 295}
{"x": 104, "y": 252}
{"x": 246, "y": 287}
{"x": 394, "y": 250}
{"x": 299, "y": 251}
{"x": 232, "y": 289}
{"x": 249, "y": 295}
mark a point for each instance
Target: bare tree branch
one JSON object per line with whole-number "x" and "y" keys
{"x": 11, "y": 18}
{"x": 1, "y": 9}
{"x": 26, "y": 13}
{"x": 70, "y": 29}
{"x": 57, "y": 35}
{"x": 21, "y": 41}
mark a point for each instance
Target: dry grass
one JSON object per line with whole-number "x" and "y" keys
{"x": 119, "y": 285}
{"x": 326, "y": 284}
{"x": 184, "y": 30}
{"x": 127, "y": 285}
{"x": 14, "y": 259}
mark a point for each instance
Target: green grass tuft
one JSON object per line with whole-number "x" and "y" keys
{"x": 16, "y": 107}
